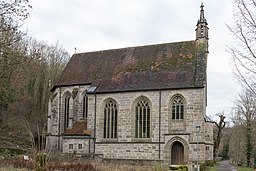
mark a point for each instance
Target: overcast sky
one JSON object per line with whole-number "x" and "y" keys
{"x": 91, "y": 25}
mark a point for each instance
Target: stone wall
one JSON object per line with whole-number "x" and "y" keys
{"x": 77, "y": 145}
{"x": 126, "y": 145}
{"x": 138, "y": 151}
{"x": 209, "y": 140}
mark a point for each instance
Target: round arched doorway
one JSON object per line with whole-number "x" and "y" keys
{"x": 177, "y": 153}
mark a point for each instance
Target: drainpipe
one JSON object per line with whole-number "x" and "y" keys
{"x": 94, "y": 124}
{"x": 59, "y": 118}
{"x": 159, "y": 136}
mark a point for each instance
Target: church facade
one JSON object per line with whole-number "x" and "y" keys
{"x": 137, "y": 103}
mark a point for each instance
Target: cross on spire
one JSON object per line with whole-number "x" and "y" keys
{"x": 202, "y": 19}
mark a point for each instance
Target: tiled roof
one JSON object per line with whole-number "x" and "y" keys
{"x": 79, "y": 128}
{"x": 159, "y": 66}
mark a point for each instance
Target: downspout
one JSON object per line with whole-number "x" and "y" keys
{"x": 159, "y": 136}
{"x": 94, "y": 124}
{"x": 59, "y": 118}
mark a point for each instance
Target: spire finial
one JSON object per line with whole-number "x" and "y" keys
{"x": 202, "y": 6}
{"x": 202, "y": 13}
{"x": 202, "y": 29}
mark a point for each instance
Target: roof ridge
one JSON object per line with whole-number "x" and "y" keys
{"x": 121, "y": 48}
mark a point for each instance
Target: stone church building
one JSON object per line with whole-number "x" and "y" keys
{"x": 135, "y": 103}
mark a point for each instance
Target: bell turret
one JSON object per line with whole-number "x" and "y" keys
{"x": 202, "y": 29}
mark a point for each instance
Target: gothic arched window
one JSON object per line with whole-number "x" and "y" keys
{"x": 85, "y": 106}
{"x": 110, "y": 119}
{"x": 66, "y": 112}
{"x": 142, "y": 119}
{"x": 178, "y": 108}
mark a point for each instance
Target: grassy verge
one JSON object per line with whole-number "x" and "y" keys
{"x": 213, "y": 168}
{"x": 241, "y": 168}
{"x": 11, "y": 169}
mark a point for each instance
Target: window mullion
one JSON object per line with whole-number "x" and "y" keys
{"x": 139, "y": 121}
{"x": 139, "y": 126}
{"x": 67, "y": 112}
{"x": 86, "y": 107}
{"x": 146, "y": 122}
{"x": 107, "y": 123}
{"x": 136, "y": 121}
{"x": 179, "y": 114}
{"x": 115, "y": 123}
{"x": 175, "y": 111}
{"x": 142, "y": 121}
{"x": 110, "y": 122}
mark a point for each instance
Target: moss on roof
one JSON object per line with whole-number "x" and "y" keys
{"x": 168, "y": 65}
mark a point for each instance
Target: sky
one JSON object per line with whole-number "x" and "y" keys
{"x": 91, "y": 25}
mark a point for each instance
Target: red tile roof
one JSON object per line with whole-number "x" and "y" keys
{"x": 79, "y": 128}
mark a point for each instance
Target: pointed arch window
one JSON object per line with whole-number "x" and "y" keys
{"x": 110, "y": 120}
{"x": 178, "y": 108}
{"x": 142, "y": 119}
{"x": 85, "y": 106}
{"x": 66, "y": 112}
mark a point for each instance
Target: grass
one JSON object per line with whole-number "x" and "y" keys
{"x": 239, "y": 168}
{"x": 242, "y": 168}
{"x": 213, "y": 168}
{"x": 11, "y": 169}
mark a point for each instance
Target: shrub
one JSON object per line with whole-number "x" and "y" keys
{"x": 202, "y": 166}
{"x": 209, "y": 163}
{"x": 159, "y": 166}
{"x": 72, "y": 167}
{"x": 21, "y": 163}
{"x": 179, "y": 168}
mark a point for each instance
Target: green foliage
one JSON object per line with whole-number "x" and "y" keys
{"x": 212, "y": 168}
{"x": 180, "y": 168}
{"x": 248, "y": 145}
{"x": 201, "y": 47}
{"x": 209, "y": 162}
{"x": 7, "y": 152}
{"x": 40, "y": 162}
{"x": 225, "y": 151}
{"x": 240, "y": 168}
{"x": 74, "y": 166}
{"x": 159, "y": 166}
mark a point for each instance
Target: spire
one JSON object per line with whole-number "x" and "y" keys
{"x": 202, "y": 29}
{"x": 202, "y": 19}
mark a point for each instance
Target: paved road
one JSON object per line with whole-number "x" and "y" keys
{"x": 226, "y": 166}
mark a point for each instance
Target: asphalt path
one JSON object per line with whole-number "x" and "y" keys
{"x": 226, "y": 166}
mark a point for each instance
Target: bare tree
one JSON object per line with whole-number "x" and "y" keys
{"x": 244, "y": 48}
{"x": 39, "y": 72}
{"x": 28, "y": 70}
{"x": 218, "y": 133}
{"x": 237, "y": 143}
{"x": 245, "y": 115}
{"x": 34, "y": 76}
{"x": 12, "y": 15}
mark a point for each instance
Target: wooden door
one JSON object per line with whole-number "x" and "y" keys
{"x": 177, "y": 153}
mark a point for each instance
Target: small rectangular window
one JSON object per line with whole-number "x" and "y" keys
{"x": 70, "y": 146}
{"x": 207, "y": 148}
{"x": 80, "y": 146}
